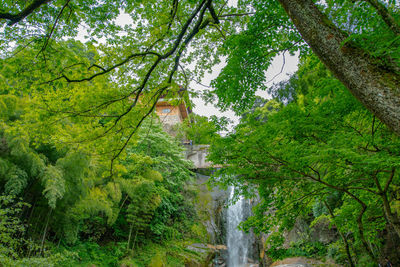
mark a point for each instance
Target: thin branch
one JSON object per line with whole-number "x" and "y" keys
{"x": 389, "y": 181}
{"x": 159, "y": 56}
{"x": 199, "y": 25}
{"x": 222, "y": 7}
{"x": 184, "y": 75}
{"x": 235, "y": 15}
{"x": 173, "y": 12}
{"x": 63, "y": 76}
{"x": 139, "y": 90}
{"x": 220, "y": 31}
{"x": 212, "y": 12}
{"x": 97, "y": 66}
{"x": 198, "y": 82}
{"x": 134, "y": 131}
{"x": 345, "y": 241}
{"x": 363, "y": 188}
{"x": 22, "y": 48}
{"x": 283, "y": 66}
{"x": 54, "y": 26}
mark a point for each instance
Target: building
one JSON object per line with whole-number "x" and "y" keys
{"x": 171, "y": 115}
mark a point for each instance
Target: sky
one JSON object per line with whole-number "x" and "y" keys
{"x": 276, "y": 73}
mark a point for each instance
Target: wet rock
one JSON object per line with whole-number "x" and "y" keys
{"x": 212, "y": 209}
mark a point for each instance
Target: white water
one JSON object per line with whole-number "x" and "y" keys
{"x": 238, "y": 241}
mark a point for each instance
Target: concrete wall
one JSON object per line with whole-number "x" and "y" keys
{"x": 197, "y": 154}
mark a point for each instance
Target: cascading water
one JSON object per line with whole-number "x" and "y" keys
{"x": 238, "y": 242}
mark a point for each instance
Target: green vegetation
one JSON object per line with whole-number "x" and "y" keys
{"x": 322, "y": 157}
{"x": 88, "y": 176}
{"x": 201, "y": 130}
{"x": 76, "y": 211}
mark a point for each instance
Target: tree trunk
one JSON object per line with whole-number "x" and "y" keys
{"x": 393, "y": 221}
{"x": 129, "y": 236}
{"x": 345, "y": 241}
{"x": 376, "y": 87}
{"x": 45, "y": 232}
{"x": 390, "y": 217}
{"x": 361, "y": 233}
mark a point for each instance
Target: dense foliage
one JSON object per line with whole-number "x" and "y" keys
{"x": 86, "y": 172}
{"x": 321, "y": 157}
{"x": 200, "y": 129}
{"x": 72, "y": 198}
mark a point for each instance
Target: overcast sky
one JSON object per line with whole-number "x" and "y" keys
{"x": 276, "y": 73}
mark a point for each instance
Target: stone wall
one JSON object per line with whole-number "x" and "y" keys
{"x": 197, "y": 154}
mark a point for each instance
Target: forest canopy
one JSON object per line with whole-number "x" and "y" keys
{"x": 357, "y": 40}
{"x": 84, "y": 161}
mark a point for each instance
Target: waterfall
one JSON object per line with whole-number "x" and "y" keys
{"x": 238, "y": 242}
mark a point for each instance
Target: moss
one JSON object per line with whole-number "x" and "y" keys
{"x": 168, "y": 254}
{"x": 158, "y": 260}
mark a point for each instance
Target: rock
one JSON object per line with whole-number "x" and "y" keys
{"x": 292, "y": 265}
{"x": 211, "y": 206}
{"x": 302, "y": 262}
{"x": 217, "y": 247}
{"x": 207, "y": 253}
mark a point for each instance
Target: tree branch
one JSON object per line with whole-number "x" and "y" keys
{"x": 385, "y": 15}
{"x": 15, "y": 18}
{"x": 54, "y": 26}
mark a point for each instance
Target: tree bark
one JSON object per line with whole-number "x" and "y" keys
{"x": 390, "y": 217}
{"x": 361, "y": 233}
{"x": 376, "y": 87}
{"x": 45, "y": 232}
{"x": 129, "y": 236}
{"x": 15, "y": 18}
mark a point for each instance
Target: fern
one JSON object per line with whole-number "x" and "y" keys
{"x": 19, "y": 146}
{"x": 153, "y": 175}
{"x": 74, "y": 165}
{"x": 113, "y": 191}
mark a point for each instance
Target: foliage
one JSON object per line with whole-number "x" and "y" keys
{"x": 73, "y": 145}
{"x": 201, "y": 130}
{"x": 64, "y": 259}
{"x": 270, "y": 33}
{"x": 301, "y": 248}
{"x": 74, "y": 199}
{"x": 322, "y": 148}
{"x": 11, "y": 228}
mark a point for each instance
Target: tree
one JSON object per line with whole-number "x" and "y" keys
{"x": 321, "y": 147}
{"x": 200, "y": 129}
{"x": 335, "y": 33}
{"x": 73, "y": 197}
{"x": 376, "y": 86}
{"x": 156, "y": 47}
